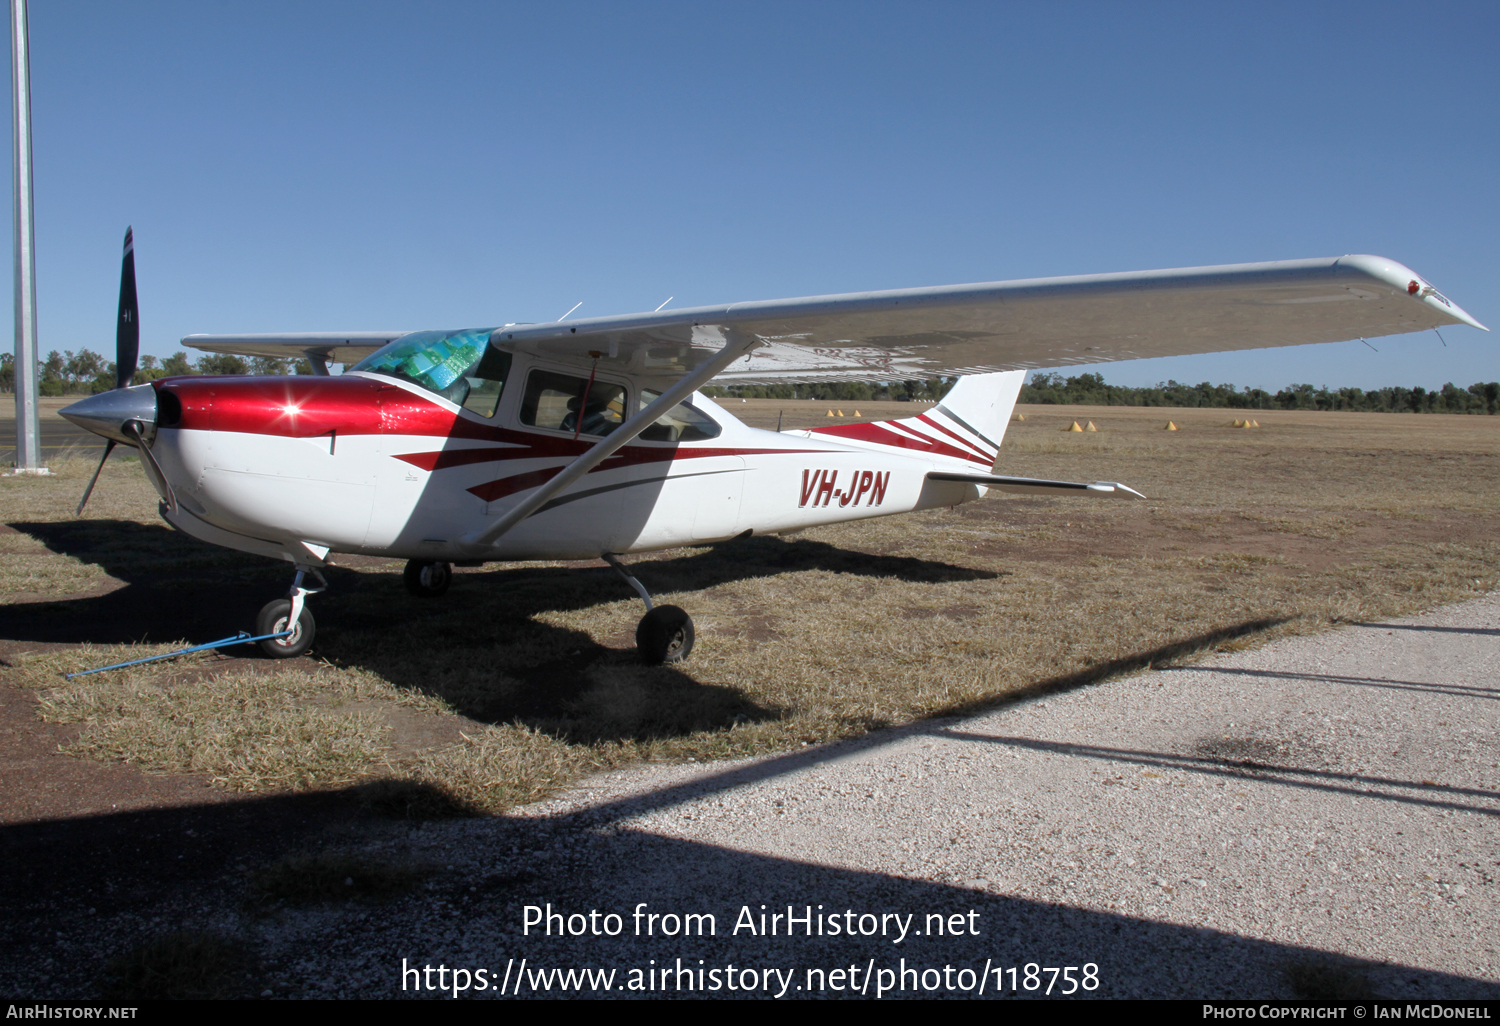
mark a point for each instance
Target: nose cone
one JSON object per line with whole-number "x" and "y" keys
{"x": 107, "y": 413}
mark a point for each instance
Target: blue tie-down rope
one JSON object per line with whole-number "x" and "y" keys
{"x": 242, "y": 638}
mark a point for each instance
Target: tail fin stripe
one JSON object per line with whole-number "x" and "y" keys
{"x": 968, "y": 427}
{"x": 907, "y": 430}
{"x": 927, "y": 435}
{"x": 873, "y": 432}
{"x": 912, "y": 427}
{"x": 953, "y": 434}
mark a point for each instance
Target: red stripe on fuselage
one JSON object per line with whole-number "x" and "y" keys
{"x": 631, "y": 455}
{"x": 875, "y": 431}
{"x": 446, "y": 458}
{"x": 310, "y": 407}
{"x": 492, "y": 490}
{"x": 298, "y": 406}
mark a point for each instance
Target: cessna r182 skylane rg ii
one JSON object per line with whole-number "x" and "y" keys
{"x": 589, "y": 439}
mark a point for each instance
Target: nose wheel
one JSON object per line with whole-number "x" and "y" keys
{"x": 426, "y": 579}
{"x": 290, "y": 618}
{"x": 665, "y": 633}
{"x": 274, "y": 618}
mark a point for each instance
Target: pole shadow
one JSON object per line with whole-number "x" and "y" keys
{"x": 1456, "y": 690}
{"x": 1493, "y": 632}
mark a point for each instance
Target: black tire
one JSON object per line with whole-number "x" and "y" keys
{"x": 273, "y": 619}
{"x": 426, "y": 579}
{"x": 664, "y": 635}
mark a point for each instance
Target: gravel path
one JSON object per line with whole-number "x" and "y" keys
{"x": 1319, "y": 814}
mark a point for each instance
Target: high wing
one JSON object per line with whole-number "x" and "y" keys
{"x": 345, "y": 347}
{"x": 974, "y": 329}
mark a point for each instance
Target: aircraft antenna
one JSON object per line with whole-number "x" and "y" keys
{"x": 1372, "y": 348}
{"x": 575, "y": 307}
{"x": 664, "y": 303}
{"x": 1441, "y": 339}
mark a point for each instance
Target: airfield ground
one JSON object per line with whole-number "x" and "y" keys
{"x": 523, "y": 679}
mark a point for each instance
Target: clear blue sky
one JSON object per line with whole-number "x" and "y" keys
{"x": 326, "y": 166}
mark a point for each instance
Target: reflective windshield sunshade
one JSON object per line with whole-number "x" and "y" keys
{"x": 431, "y": 359}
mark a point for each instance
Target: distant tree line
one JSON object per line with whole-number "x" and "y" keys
{"x": 1091, "y": 390}
{"x": 87, "y": 372}
{"x": 930, "y": 390}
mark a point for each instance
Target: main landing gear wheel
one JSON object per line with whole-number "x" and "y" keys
{"x": 273, "y": 620}
{"x": 664, "y": 635}
{"x": 427, "y": 580}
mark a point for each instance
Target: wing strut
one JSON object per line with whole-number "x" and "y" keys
{"x": 736, "y": 347}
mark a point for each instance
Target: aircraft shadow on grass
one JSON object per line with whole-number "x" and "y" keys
{"x": 175, "y": 587}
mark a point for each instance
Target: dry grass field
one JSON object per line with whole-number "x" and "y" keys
{"x": 523, "y": 677}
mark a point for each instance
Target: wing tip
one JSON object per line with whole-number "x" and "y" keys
{"x": 1400, "y": 277}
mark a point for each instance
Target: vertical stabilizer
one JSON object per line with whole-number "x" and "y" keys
{"x": 982, "y": 404}
{"x": 964, "y": 431}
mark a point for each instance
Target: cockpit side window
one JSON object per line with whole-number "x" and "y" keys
{"x": 554, "y": 400}
{"x": 682, "y": 423}
{"x": 460, "y": 366}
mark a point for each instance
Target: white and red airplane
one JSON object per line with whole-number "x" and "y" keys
{"x": 590, "y": 439}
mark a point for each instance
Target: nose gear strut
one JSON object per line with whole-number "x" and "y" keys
{"x": 290, "y": 619}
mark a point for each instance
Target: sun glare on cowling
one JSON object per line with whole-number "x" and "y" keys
{"x": 290, "y": 407}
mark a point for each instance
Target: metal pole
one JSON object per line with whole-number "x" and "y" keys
{"x": 28, "y": 426}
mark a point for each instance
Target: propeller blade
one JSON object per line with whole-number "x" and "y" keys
{"x": 128, "y": 328}
{"x": 109, "y": 447}
{"x": 153, "y": 469}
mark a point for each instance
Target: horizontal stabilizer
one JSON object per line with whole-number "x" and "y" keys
{"x": 1037, "y": 486}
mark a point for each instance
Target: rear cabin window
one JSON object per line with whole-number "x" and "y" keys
{"x": 555, "y": 401}
{"x": 682, "y": 423}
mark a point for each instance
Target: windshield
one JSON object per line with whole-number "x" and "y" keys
{"x": 460, "y": 366}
